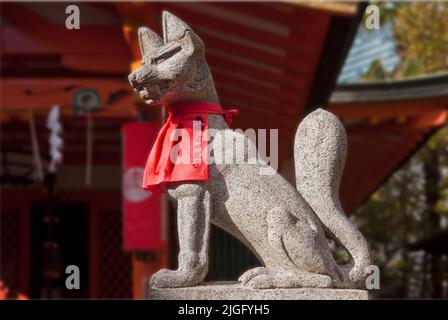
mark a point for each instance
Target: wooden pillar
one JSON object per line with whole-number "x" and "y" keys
{"x": 144, "y": 265}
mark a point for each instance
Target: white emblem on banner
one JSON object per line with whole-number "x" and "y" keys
{"x": 132, "y": 185}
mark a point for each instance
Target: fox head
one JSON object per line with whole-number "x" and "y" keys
{"x": 173, "y": 68}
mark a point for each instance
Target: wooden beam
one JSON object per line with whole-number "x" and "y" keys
{"x": 21, "y": 94}
{"x": 284, "y": 42}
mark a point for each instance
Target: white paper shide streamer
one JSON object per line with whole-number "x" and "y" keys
{"x": 55, "y": 140}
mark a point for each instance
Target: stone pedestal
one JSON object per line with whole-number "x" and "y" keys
{"x": 233, "y": 291}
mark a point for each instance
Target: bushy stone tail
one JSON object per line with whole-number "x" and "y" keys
{"x": 319, "y": 152}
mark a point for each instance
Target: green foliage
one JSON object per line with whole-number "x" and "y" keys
{"x": 399, "y": 213}
{"x": 421, "y": 35}
{"x": 412, "y": 68}
{"x": 420, "y": 31}
{"x": 375, "y": 72}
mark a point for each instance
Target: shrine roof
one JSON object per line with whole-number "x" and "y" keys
{"x": 275, "y": 62}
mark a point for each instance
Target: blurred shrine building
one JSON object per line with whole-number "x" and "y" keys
{"x": 275, "y": 62}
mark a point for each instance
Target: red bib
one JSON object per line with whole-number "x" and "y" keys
{"x": 179, "y": 152}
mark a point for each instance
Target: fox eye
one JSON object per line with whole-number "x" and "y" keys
{"x": 165, "y": 55}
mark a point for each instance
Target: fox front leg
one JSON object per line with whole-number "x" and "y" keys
{"x": 193, "y": 225}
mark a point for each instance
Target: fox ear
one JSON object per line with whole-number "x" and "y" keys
{"x": 149, "y": 40}
{"x": 176, "y": 29}
{"x": 173, "y": 27}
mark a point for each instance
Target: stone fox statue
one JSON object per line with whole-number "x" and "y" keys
{"x": 285, "y": 227}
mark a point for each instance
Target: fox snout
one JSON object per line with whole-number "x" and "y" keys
{"x": 132, "y": 77}
{"x": 140, "y": 76}
{"x": 145, "y": 83}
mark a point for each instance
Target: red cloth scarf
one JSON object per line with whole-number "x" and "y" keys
{"x": 172, "y": 143}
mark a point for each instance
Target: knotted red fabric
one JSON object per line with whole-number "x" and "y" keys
{"x": 180, "y": 150}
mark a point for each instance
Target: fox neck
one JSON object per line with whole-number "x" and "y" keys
{"x": 209, "y": 93}
{"x": 206, "y": 91}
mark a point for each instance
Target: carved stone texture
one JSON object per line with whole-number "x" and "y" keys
{"x": 233, "y": 291}
{"x": 286, "y": 227}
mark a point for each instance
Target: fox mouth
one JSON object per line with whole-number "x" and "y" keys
{"x": 153, "y": 93}
{"x": 149, "y": 96}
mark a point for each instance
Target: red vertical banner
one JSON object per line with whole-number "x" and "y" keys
{"x": 142, "y": 221}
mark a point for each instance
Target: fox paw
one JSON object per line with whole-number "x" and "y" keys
{"x": 174, "y": 279}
